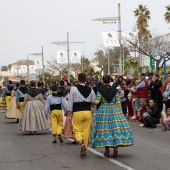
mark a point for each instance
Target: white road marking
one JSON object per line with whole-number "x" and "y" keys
{"x": 101, "y": 155}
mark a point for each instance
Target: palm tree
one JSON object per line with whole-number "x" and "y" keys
{"x": 143, "y": 15}
{"x": 167, "y": 14}
{"x": 89, "y": 71}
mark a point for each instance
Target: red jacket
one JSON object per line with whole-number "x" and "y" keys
{"x": 143, "y": 92}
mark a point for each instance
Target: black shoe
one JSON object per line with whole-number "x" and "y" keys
{"x": 60, "y": 138}
{"x": 152, "y": 127}
{"x": 55, "y": 141}
{"x": 83, "y": 151}
{"x": 168, "y": 130}
{"x": 146, "y": 126}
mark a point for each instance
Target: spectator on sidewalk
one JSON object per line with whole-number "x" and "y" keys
{"x": 165, "y": 122}
{"x": 142, "y": 109}
{"x": 143, "y": 89}
{"x": 64, "y": 77}
{"x": 122, "y": 100}
{"x": 166, "y": 93}
{"x": 92, "y": 86}
{"x": 87, "y": 82}
{"x": 133, "y": 97}
{"x": 116, "y": 81}
{"x": 150, "y": 75}
{"x": 167, "y": 81}
{"x": 154, "y": 113}
{"x": 125, "y": 87}
{"x": 155, "y": 91}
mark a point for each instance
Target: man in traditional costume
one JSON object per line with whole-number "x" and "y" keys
{"x": 54, "y": 104}
{"x": 20, "y": 95}
{"x": 79, "y": 104}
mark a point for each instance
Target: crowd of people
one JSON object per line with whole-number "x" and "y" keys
{"x": 89, "y": 109}
{"x": 143, "y": 98}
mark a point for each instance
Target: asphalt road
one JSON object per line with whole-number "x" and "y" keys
{"x": 22, "y": 151}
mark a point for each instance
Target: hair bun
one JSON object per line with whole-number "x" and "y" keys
{"x": 107, "y": 78}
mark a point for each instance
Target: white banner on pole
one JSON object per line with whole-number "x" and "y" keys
{"x": 75, "y": 57}
{"x": 38, "y": 64}
{"x": 130, "y": 36}
{"x": 23, "y": 69}
{"x": 110, "y": 39}
{"x": 62, "y": 57}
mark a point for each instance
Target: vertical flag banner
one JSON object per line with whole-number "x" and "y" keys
{"x": 75, "y": 57}
{"x": 62, "y": 57}
{"x": 129, "y": 35}
{"x": 14, "y": 71}
{"x": 38, "y": 64}
{"x": 23, "y": 69}
{"x": 152, "y": 64}
{"x": 110, "y": 39}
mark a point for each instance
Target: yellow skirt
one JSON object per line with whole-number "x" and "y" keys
{"x": 12, "y": 111}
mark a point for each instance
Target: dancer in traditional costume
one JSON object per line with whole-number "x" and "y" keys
{"x": 12, "y": 110}
{"x": 79, "y": 104}
{"x": 20, "y": 96}
{"x": 7, "y": 93}
{"x": 54, "y": 105}
{"x": 33, "y": 117}
{"x": 111, "y": 130}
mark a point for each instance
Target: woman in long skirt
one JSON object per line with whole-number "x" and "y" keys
{"x": 12, "y": 110}
{"x": 110, "y": 130}
{"x": 33, "y": 117}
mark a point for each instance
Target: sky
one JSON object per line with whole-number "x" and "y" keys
{"x": 27, "y": 25}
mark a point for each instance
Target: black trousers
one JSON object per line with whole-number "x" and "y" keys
{"x": 152, "y": 121}
{"x": 124, "y": 107}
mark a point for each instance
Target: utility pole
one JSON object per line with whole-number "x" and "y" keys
{"x": 68, "y": 50}
{"x": 28, "y": 71}
{"x": 43, "y": 64}
{"x": 119, "y": 33}
{"x": 68, "y": 56}
{"x": 110, "y": 20}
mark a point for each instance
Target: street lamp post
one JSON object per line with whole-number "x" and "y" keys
{"x": 40, "y": 54}
{"x": 28, "y": 67}
{"x": 68, "y": 50}
{"x": 110, "y": 20}
{"x": 68, "y": 55}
